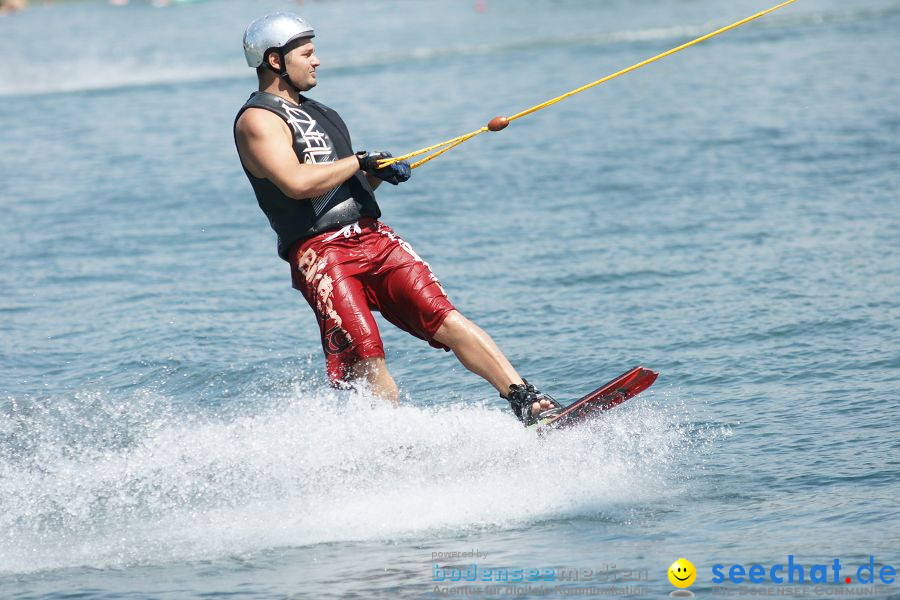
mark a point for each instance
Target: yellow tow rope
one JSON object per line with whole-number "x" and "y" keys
{"x": 498, "y": 123}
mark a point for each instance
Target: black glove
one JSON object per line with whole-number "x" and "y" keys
{"x": 393, "y": 174}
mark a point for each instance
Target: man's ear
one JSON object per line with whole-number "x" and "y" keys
{"x": 274, "y": 60}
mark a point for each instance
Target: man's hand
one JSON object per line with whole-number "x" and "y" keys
{"x": 393, "y": 174}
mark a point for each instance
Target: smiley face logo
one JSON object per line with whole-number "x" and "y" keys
{"x": 682, "y": 573}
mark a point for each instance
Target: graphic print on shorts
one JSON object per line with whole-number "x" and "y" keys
{"x": 335, "y": 339}
{"x": 319, "y": 148}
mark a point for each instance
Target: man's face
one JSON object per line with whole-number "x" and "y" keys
{"x": 301, "y": 63}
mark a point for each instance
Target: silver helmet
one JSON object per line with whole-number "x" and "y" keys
{"x": 273, "y": 31}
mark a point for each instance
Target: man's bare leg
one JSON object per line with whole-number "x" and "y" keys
{"x": 374, "y": 371}
{"x": 479, "y": 353}
{"x": 472, "y": 346}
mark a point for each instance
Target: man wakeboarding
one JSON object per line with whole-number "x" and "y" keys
{"x": 319, "y": 198}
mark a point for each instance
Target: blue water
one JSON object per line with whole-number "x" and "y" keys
{"x": 728, "y": 216}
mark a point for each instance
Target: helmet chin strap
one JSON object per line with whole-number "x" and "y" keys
{"x": 282, "y": 72}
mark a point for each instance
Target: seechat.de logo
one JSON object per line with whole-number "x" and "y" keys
{"x": 797, "y": 573}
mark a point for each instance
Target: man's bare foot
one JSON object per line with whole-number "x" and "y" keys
{"x": 528, "y": 403}
{"x": 539, "y": 407}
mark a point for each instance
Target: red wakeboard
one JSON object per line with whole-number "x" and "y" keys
{"x": 625, "y": 386}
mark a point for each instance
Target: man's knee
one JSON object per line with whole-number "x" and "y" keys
{"x": 453, "y": 329}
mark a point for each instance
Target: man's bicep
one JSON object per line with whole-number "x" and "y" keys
{"x": 267, "y": 151}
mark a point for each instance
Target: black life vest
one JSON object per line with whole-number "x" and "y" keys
{"x": 320, "y": 136}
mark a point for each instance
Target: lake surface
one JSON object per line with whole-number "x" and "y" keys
{"x": 728, "y": 216}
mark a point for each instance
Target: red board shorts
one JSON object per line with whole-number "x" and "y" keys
{"x": 365, "y": 266}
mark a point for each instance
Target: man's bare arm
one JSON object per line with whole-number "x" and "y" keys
{"x": 266, "y": 148}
